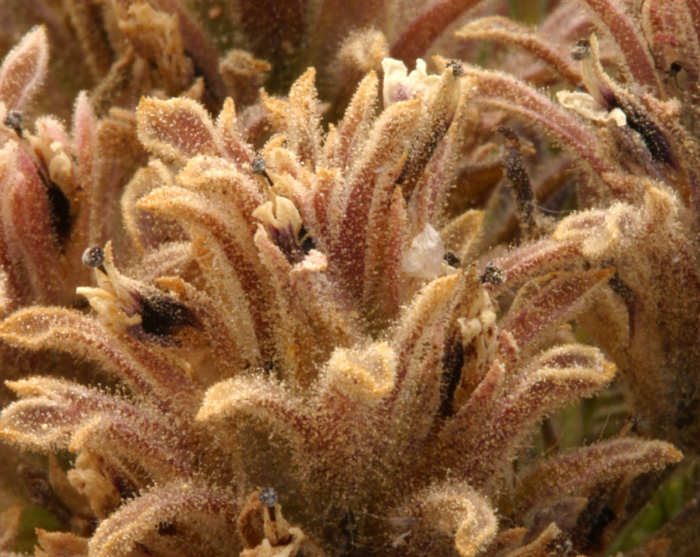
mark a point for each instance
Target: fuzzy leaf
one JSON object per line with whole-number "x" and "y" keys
{"x": 551, "y": 539}
{"x": 505, "y": 31}
{"x": 503, "y": 92}
{"x": 175, "y": 130}
{"x": 459, "y": 513}
{"x": 417, "y": 407}
{"x": 84, "y": 132}
{"x": 234, "y": 190}
{"x": 236, "y": 259}
{"x": 385, "y": 278}
{"x": 262, "y": 400}
{"x": 24, "y": 69}
{"x": 29, "y": 225}
{"x": 161, "y": 451}
{"x": 427, "y": 26}
{"x": 299, "y": 339}
{"x": 537, "y": 259}
{"x": 371, "y": 185}
{"x": 328, "y": 310}
{"x": 580, "y": 472}
{"x": 365, "y": 375}
{"x": 197, "y": 45}
{"x": 50, "y": 412}
{"x": 144, "y": 229}
{"x": 550, "y": 302}
{"x": 430, "y": 157}
{"x": 479, "y": 445}
{"x": 118, "y": 535}
{"x": 298, "y": 118}
{"x": 127, "y": 359}
{"x": 418, "y": 320}
{"x": 58, "y": 415}
{"x": 231, "y": 143}
{"x": 353, "y": 128}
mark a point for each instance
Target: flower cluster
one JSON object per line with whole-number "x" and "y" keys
{"x": 353, "y": 312}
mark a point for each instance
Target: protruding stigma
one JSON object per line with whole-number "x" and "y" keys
{"x": 13, "y": 120}
{"x": 581, "y": 50}
{"x": 457, "y": 68}
{"x": 94, "y": 258}
{"x": 268, "y": 498}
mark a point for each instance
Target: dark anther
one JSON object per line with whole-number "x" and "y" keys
{"x": 13, "y": 120}
{"x": 80, "y": 303}
{"x": 519, "y": 178}
{"x": 94, "y": 258}
{"x": 60, "y": 212}
{"x": 493, "y": 274}
{"x": 293, "y": 248}
{"x": 457, "y": 68}
{"x": 163, "y": 315}
{"x": 581, "y": 50}
{"x": 598, "y": 524}
{"x": 652, "y": 135}
{"x": 126, "y": 489}
{"x": 452, "y": 363}
{"x": 288, "y": 244}
{"x": 167, "y": 529}
{"x": 306, "y": 242}
{"x": 675, "y": 68}
{"x": 268, "y": 497}
{"x": 619, "y": 287}
{"x": 452, "y": 260}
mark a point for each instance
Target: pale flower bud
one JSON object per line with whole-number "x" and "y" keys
{"x": 399, "y": 85}
{"x": 424, "y": 258}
